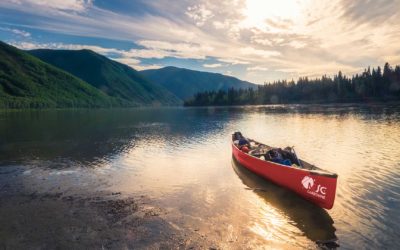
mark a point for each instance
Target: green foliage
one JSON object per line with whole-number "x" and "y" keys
{"x": 27, "y": 82}
{"x": 375, "y": 85}
{"x": 184, "y": 83}
{"x": 114, "y": 79}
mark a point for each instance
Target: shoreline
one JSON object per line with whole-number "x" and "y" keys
{"x": 205, "y": 106}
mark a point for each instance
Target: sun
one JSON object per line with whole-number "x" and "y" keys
{"x": 257, "y": 12}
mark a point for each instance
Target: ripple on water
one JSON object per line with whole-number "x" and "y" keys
{"x": 181, "y": 158}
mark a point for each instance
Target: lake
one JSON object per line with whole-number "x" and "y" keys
{"x": 165, "y": 177}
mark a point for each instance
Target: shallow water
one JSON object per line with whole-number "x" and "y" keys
{"x": 180, "y": 160}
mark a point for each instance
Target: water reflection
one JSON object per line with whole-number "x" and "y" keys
{"x": 92, "y": 137}
{"x": 181, "y": 158}
{"x": 313, "y": 221}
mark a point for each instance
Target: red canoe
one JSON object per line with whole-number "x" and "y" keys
{"x": 310, "y": 182}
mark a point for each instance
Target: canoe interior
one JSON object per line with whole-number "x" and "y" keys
{"x": 258, "y": 149}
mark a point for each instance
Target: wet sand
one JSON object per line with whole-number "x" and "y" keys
{"x": 99, "y": 221}
{"x": 62, "y": 209}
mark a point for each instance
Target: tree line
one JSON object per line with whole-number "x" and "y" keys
{"x": 370, "y": 85}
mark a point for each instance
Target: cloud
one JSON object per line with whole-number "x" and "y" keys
{"x": 372, "y": 12}
{"x": 21, "y": 32}
{"x": 128, "y": 61}
{"x": 149, "y": 66}
{"x": 297, "y": 44}
{"x": 228, "y": 72}
{"x": 257, "y": 68}
{"x": 146, "y": 53}
{"x": 265, "y": 41}
{"x": 232, "y": 61}
{"x": 152, "y": 49}
{"x": 136, "y": 64}
{"x": 289, "y": 37}
{"x": 220, "y": 25}
{"x": 72, "y": 5}
{"x": 17, "y": 32}
{"x": 213, "y": 65}
{"x": 124, "y": 55}
{"x": 279, "y": 23}
{"x": 250, "y": 51}
{"x": 33, "y": 45}
{"x": 199, "y": 13}
{"x": 178, "y": 50}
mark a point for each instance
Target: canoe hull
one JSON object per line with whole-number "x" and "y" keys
{"x": 315, "y": 187}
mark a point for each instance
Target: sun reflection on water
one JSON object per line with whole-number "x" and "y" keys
{"x": 185, "y": 167}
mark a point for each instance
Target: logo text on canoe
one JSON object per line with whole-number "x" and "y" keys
{"x": 313, "y": 189}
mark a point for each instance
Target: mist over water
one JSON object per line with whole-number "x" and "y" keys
{"x": 180, "y": 159}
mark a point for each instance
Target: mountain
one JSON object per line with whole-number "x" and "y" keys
{"x": 184, "y": 83}
{"x": 115, "y": 79}
{"x": 27, "y": 82}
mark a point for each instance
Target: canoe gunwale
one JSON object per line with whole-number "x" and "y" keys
{"x": 319, "y": 172}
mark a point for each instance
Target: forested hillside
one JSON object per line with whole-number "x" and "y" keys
{"x": 120, "y": 81}
{"x": 184, "y": 83}
{"x": 370, "y": 85}
{"x": 27, "y": 82}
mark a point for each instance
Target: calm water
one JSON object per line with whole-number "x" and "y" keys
{"x": 180, "y": 159}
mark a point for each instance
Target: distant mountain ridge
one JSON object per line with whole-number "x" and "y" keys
{"x": 46, "y": 78}
{"x": 113, "y": 78}
{"x": 27, "y": 82}
{"x": 185, "y": 83}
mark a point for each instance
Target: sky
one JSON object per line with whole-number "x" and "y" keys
{"x": 254, "y": 40}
